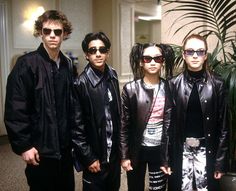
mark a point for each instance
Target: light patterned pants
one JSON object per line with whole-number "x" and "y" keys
{"x": 194, "y": 167}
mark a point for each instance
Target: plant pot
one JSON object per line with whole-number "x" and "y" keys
{"x": 228, "y": 182}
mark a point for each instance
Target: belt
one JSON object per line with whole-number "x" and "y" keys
{"x": 195, "y": 142}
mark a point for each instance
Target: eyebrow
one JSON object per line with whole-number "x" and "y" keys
{"x": 194, "y": 49}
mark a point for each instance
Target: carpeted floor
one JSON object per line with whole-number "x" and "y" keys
{"x": 12, "y": 177}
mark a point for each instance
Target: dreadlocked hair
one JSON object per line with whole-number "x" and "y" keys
{"x": 135, "y": 59}
{"x": 137, "y": 53}
{"x": 169, "y": 56}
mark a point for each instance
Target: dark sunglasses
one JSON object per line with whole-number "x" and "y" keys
{"x": 47, "y": 31}
{"x": 157, "y": 59}
{"x": 190, "y": 52}
{"x": 93, "y": 50}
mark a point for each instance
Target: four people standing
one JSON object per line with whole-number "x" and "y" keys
{"x": 189, "y": 114}
{"x": 38, "y": 107}
{"x": 199, "y": 135}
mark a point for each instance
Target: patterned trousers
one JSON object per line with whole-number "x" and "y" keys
{"x": 136, "y": 178}
{"x": 194, "y": 168}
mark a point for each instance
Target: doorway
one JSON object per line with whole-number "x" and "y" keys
{"x": 147, "y": 21}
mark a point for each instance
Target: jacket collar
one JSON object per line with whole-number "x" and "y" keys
{"x": 95, "y": 76}
{"x": 64, "y": 59}
{"x": 42, "y": 51}
{"x": 193, "y": 80}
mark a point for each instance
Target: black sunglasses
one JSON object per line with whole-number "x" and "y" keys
{"x": 157, "y": 59}
{"x": 191, "y": 52}
{"x": 102, "y": 50}
{"x": 47, "y": 31}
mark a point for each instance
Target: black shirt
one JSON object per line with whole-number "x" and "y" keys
{"x": 61, "y": 89}
{"x": 194, "y": 118}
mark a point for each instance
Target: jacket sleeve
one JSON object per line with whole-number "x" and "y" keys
{"x": 125, "y": 123}
{"x": 165, "y": 143}
{"x": 17, "y": 107}
{"x": 221, "y": 163}
{"x": 79, "y": 136}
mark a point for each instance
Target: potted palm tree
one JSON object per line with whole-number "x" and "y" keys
{"x": 214, "y": 18}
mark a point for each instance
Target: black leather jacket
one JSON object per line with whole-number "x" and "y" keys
{"x": 30, "y": 115}
{"x": 212, "y": 95}
{"x": 90, "y": 115}
{"x": 136, "y": 103}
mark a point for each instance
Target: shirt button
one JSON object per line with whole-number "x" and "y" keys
{"x": 209, "y": 152}
{"x": 209, "y": 135}
{"x": 208, "y": 118}
{"x": 205, "y": 101}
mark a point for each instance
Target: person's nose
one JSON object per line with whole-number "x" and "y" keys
{"x": 98, "y": 53}
{"x": 195, "y": 54}
{"x": 52, "y": 34}
{"x": 152, "y": 62}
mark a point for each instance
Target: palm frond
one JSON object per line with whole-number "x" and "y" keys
{"x": 218, "y": 15}
{"x": 178, "y": 58}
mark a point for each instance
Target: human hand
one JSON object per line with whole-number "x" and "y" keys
{"x": 31, "y": 156}
{"x": 166, "y": 170}
{"x": 95, "y": 167}
{"x": 218, "y": 175}
{"x": 126, "y": 165}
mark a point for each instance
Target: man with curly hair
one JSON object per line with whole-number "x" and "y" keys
{"x": 38, "y": 112}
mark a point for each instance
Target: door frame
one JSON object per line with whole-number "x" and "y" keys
{"x": 4, "y": 61}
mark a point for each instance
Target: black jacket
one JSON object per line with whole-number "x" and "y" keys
{"x": 212, "y": 95}
{"x": 136, "y": 103}
{"x": 90, "y": 117}
{"x": 30, "y": 115}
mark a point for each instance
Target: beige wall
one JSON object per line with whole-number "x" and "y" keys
{"x": 102, "y": 16}
{"x": 79, "y": 12}
{"x": 102, "y": 19}
{"x": 170, "y": 24}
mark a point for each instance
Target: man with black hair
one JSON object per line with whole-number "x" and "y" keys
{"x": 95, "y": 136}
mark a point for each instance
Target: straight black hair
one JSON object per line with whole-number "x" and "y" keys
{"x": 95, "y": 36}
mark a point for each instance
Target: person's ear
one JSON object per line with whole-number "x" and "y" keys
{"x": 86, "y": 57}
{"x": 108, "y": 54}
{"x": 65, "y": 36}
